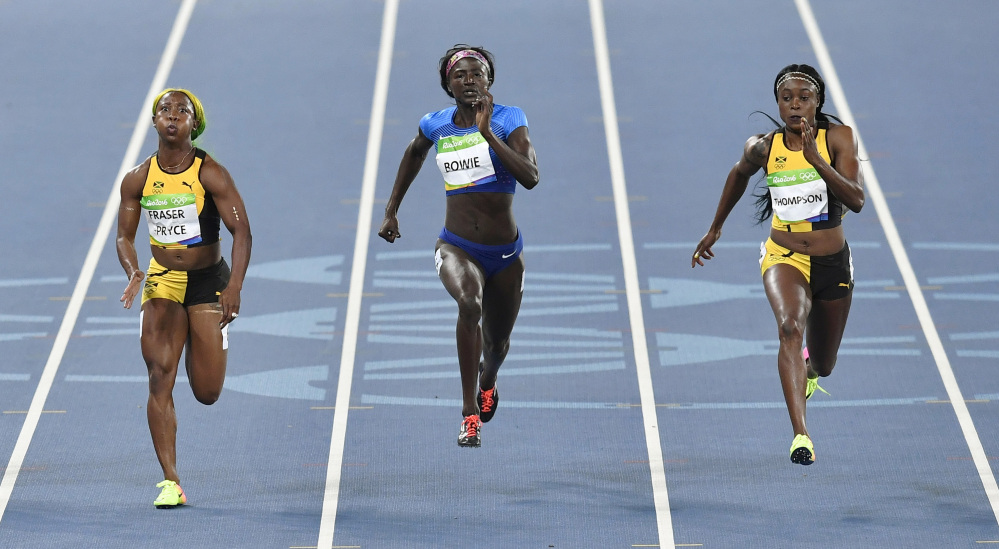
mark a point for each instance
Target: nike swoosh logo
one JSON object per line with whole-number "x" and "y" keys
{"x": 509, "y": 255}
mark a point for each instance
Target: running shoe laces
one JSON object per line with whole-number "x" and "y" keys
{"x": 487, "y": 403}
{"x": 170, "y": 496}
{"x": 470, "y": 434}
{"x": 802, "y": 450}
{"x": 813, "y": 384}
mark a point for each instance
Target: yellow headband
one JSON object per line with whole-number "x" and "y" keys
{"x": 199, "y": 111}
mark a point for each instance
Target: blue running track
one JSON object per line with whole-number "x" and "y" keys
{"x": 640, "y": 401}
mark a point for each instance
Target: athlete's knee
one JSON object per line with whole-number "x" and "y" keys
{"x": 161, "y": 377}
{"x": 469, "y": 307}
{"x": 495, "y": 348}
{"x": 206, "y": 375}
{"x": 208, "y": 397}
{"x": 825, "y": 370}
{"x": 822, "y": 365}
{"x": 790, "y": 330}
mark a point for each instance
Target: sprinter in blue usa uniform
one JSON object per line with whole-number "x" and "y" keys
{"x": 483, "y": 152}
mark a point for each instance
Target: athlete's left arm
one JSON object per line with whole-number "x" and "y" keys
{"x": 844, "y": 177}
{"x": 516, "y": 153}
{"x": 216, "y": 180}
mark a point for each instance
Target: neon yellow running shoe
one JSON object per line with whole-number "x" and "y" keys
{"x": 171, "y": 496}
{"x": 813, "y": 384}
{"x": 802, "y": 450}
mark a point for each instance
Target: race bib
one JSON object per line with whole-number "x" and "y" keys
{"x": 464, "y": 161}
{"x": 799, "y": 195}
{"x": 172, "y": 218}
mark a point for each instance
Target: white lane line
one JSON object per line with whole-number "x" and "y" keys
{"x": 632, "y": 288}
{"x": 93, "y": 255}
{"x": 342, "y": 405}
{"x": 835, "y": 90}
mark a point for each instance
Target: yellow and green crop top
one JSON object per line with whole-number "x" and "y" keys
{"x": 180, "y": 212}
{"x": 800, "y": 199}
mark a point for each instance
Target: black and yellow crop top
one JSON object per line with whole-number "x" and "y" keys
{"x": 800, "y": 198}
{"x": 180, "y": 212}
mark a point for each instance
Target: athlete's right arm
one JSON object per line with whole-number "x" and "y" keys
{"x": 409, "y": 167}
{"x": 754, "y": 158}
{"x": 129, "y": 212}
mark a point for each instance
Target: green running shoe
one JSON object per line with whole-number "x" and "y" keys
{"x": 802, "y": 450}
{"x": 813, "y": 384}
{"x": 171, "y": 496}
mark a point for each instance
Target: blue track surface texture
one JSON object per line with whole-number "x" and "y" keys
{"x": 289, "y": 92}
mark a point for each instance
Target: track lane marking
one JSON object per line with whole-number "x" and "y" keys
{"x": 93, "y": 256}
{"x": 633, "y": 295}
{"x": 957, "y": 400}
{"x": 356, "y": 291}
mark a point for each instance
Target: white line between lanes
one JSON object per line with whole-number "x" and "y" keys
{"x": 93, "y": 255}
{"x": 632, "y": 288}
{"x": 877, "y": 197}
{"x": 357, "y": 270}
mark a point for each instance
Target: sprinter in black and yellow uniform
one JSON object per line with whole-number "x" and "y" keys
{"x": 813, "y": 178}
{"x": 800, "y": 195}
{"x": 189, "y": 296}
{"x": 182, "y": 214}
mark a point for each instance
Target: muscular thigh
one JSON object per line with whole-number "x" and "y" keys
{"x": 826, "y": 325}
{"x": 501, "y": 300}
{"x": 788, "y": 293}
{"x": 207, "y": 343}
{"x": 461, "y": 275}
{"x": 163, "y": 332}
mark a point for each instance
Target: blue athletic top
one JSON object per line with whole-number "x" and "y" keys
{"x": 461, "y": 152}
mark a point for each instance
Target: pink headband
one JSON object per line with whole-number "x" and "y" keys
{"x": 465, "y": 53}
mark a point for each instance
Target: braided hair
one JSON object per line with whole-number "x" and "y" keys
{"x": 764, "y": 207}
